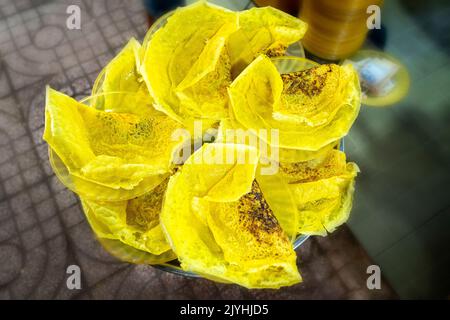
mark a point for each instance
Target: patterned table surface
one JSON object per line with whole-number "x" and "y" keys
{"x": 42, "y": 227}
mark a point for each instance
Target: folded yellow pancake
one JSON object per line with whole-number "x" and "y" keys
{"x": 219, "y": 224}
{"x": 231, "y": 131}
{"x": 310, "y": 108}
{"x": 119, "y": 151}
{"x": 119, "y": 86}
{"x": 130, "y": 229}
{"x": 262, "y": 30}
{"x": 186, "y": 64}
{"x": 312, "y": 197}
{"x": 95, "y": 191}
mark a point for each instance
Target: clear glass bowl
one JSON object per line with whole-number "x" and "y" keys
{"x": 294, "y": 61}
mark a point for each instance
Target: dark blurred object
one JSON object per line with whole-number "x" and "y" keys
{"x": 289, "y": 6}
{"x": 378, "y": 37}
{"x": 433, "y": 18}
{"x": 156, "y": 8}
{"x": 337, "y": 29}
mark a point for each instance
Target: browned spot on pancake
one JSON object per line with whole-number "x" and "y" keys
{"x": 301, "y": 172}
{"x": 276, "y": 51}
{"x": 310, "y": 82}
{"x": 256, "y": 215}
{"x": 143, "y": 212}
{"x": 310, "y": 174}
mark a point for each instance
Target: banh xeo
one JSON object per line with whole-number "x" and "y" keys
{"x": 220, "y": 217}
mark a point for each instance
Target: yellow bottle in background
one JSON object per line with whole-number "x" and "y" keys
{"x": 336, "y": 29}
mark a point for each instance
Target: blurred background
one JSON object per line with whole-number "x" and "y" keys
{"x": 401, "y": 142}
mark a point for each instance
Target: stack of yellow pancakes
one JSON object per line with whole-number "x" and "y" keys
{"x": 215, "y": 211}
